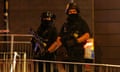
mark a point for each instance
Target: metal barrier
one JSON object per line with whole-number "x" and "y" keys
{"x": 31, "y": 65}
{"x": 16, "y": 56}
{"x": 9, "y": 64}
{"x": 86, "y": 67}
{"x": 16, "y": 42}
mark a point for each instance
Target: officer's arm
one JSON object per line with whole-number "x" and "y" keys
{"x": 83, "y": 38}
{"x": 55, "y": 45}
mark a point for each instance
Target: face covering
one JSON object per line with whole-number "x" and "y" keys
{"x": 46, "y": 23}
{"x": 72, "y": 17}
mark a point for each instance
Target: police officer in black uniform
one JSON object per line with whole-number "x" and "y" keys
{"x": 48, "y": 34}
{"x": 74, "y": 33}
{"x": 73, "y": 36}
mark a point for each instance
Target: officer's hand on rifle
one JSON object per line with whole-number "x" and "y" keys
{"x": 45, "y": 53}
{"x": 55, "y": 45}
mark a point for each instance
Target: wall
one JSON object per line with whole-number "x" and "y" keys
{"x": 24, "y": 14}
{"x": 107, "y": 31}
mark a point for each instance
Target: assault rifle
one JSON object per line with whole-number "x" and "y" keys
{"x": 39, "y": 48}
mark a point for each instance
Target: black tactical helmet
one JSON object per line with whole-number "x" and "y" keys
{"x": 71, "y": 6}
{"x": 48, "y": 14}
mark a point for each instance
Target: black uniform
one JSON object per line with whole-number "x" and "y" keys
{"x": 49, "y": 35}
{"x": 74, "y": 26}
{"x": 71, "y": 30}
{"x": 47, "y": 32}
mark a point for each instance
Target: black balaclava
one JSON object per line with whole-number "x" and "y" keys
{"x": 72, "y": 17}
{"x": 47, "y": 23}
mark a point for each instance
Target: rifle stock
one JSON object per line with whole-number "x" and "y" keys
{"x": 39, "y": 43}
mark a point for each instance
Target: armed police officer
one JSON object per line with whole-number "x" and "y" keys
{"x": 47, "y": 34}
{"x": 73, "y": 36}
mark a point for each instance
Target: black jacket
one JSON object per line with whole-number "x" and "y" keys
{"x": 71, "y": 30}
{"x": 48, "y": 35}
